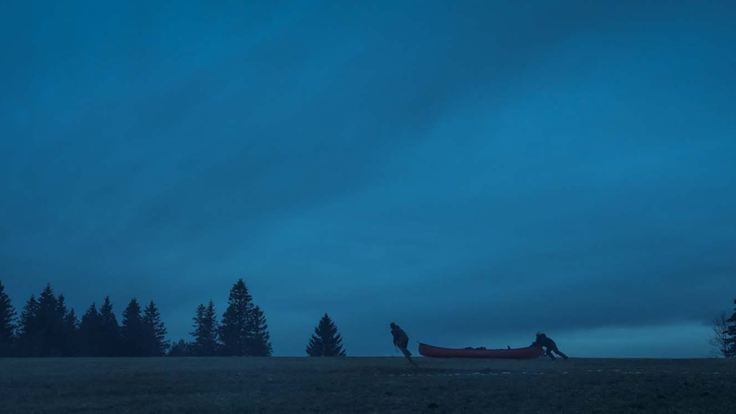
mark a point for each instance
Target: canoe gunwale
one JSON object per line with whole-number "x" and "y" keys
{"x": 431, "y": 351}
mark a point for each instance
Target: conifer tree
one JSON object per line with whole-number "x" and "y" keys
{"x": 730, "y": 347}
{"x": 7, "y": 323}
{"x": 109, "y": 330}
{"x": 132, "y": 331}
{"x": 28, "y": 343}
{"x": 65, "y": 329}
{"x": 70, "y": 331}
{"x": 234, "y": 332}
{"x": 244, "y": 331}
{"x": 50, "y": 320}
{"x": 260, "y": 339}
{"x": 90, "y": 333}
{"x": 155, "y": 331}
{"x": 326, "y": 341}
{"x": 205, "y": 331}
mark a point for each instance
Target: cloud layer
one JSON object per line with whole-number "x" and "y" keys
{"x": 476, "y": 172}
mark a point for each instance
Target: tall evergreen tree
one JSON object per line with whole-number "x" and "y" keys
{"x": 28, "y": 330}
{"x": 7, "y": 323}
{"x": 68, "y": 330}
{"x": 90, "y": 333}
{"x": 235, "y": 321}
{"x": 155, "y": 331}
{"x": 51, "y": 320}
{"x": 109, "y": 331}
{"x": 731, "y": 335}
{"x": 205, "y": 331}
{"x": 326, "y": 341}
{"x": 132, "y": 332}
{"x": 243, "y": 331}
{"x": 260, "y": 342}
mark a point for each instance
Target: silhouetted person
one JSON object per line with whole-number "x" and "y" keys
{"x": 548, "y": 345}
{"x": 401, "y": 341}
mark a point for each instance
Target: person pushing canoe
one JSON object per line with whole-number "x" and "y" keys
{"x": 548, "y": 345}
{"x": 401, "y": 341}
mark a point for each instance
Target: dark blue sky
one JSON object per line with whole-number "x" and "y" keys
{"x": 476, "y": 171}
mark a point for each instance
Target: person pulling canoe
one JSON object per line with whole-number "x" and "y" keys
{"x": 549, "y": 346}
{"x": 401, "y": 341}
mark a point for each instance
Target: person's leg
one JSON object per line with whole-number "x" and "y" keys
{"x": 404, "y": 346}
{"x": 548, "y": 352}
{"x": 558, "y": 352}
{"x": 407, "y": 355}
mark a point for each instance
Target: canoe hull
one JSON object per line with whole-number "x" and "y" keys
{"x": 514, "y": 353}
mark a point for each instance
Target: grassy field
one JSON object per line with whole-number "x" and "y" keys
{"x": 243, "y": 385}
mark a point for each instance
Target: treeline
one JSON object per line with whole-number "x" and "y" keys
{"x": 46, "y": 327}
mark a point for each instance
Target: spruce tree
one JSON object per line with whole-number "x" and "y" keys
{"x": 326, "y": 341}
{"x": 132, "y": 331}
{"x": 236, "y": 322}
{"x": 731, "y": 335}
{"x": 109, "y": 331}
{"x": 28, "y": 329}
{"x": 244, "y": 331}
{"x": 260, "y": 339}
{"x": 155, "y": 331}
{"x": 205, "y": 331}
{"x": 66, "y": 329}
{"x": 51, "y": 320}
{"x": 7, "y": 323}
{"x": 70, "y": 331}
{"x": 90, "y": 333}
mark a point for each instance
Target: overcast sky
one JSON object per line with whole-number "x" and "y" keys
{"x": 475, "y": 171}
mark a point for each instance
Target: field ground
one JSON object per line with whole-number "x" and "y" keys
{"x": 366, "y": 385}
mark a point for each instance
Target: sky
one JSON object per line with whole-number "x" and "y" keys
{"x": 474, "y": 171}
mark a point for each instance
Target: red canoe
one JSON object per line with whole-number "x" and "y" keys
{"x": 514, "y": 353}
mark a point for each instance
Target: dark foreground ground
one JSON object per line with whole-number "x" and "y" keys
{"x": 380, "y": 385}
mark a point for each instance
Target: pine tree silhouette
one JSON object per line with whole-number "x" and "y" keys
{"x": 109, "y": 333}
{"x": 7, "y": 323}
{"x": 234, "y": 329}
{"x": 731, "y": 335}
{"x": 260, "y": 342}
{"x": 132, "y": 331}
{"x": 65, "y": 329}
{"x": 50, "y": 319}
{"x": 90, "y": 333}
{"x": 244, "y": 331}
{"x": 70, "y": 334}
{"x": 154, "y": 331}
{"x": 28, "y": 338}
{"x": 326, "y": 341}
{"x": 205, "y": 331}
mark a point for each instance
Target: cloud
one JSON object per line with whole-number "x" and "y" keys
{"x": 471, "y": 171}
